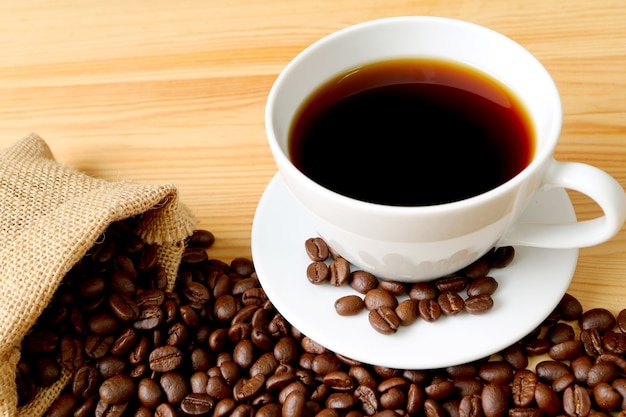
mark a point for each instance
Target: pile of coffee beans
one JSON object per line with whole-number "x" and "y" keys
{"x": 392, "y": 304}
{"x": 216, "y": 346}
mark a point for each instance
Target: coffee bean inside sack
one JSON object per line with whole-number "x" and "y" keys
{"x": 392, "y": 304}
{"x": 214, "y": 345}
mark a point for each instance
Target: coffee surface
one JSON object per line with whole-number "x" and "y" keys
{"x": 411, "y": 132}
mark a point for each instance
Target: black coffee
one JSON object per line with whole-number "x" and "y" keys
{"x": 411, "y": 132}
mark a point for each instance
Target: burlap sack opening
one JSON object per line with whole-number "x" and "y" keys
{"x": 50, "y": 215}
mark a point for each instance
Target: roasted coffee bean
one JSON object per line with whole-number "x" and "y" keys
{"x": 525, "y": 412}
{"x": 464, "y": 370}
{"x": 103, "y": 323}
{"x": 197, "y": 404}
{"x": 254, "y": 296}
{"x": 478, "y": 304}
{"x": 165, "y": 358}
{"x": 470, "y": 406}
{"x": 515, "y": 355}
{"x": 536, "y": 347}
{"x": 63, "y": 406}
{"x": 325, "y": 363}
{"x": 349, "y": 305}
{"x": 499, "y": 372}
{"x": 341, "y": 401}
{"x": 225, "y": 307}
{"x": 362, "y": 281}
{"x": 450, "y": 303}
{"x": 620, "y": 386}
{"x": 150, "y": 317}
{"x": 201, "y": 238}
{"x": 377, "y": 298}
{"x": 614, "y": 342}
{"x": 494, "y": 400}
{"x": 562, "y": 382}
{"x": 97, "y": 346}
{"x": 429, "y": 309}
{"x": 547, "y": 399}
{"x": 570, "y": 308}
{"x": 523, "y": 388}
{"x": 384, "y": 320}
{"x": 151, "y": 297}
{"x": 394, "y": 287}
{"x": 339, "y": 272}
{"x": 86, "y": 381}
{"x": 175, "y": 386}
{"x": 247, "y": 388}
{"x": 165, "y": 410}
{"x": 482, "y": 286}
{"x": 117, "y": 390}
{"x": 122, "y": 283}
{"x": 111, "y": 365}
{"x": 316, "y": 249}
{"x": 502, "y": 256}
{"x": 48, "y": 370}
{"x": 606, "y": 397}
{"x": 455, "y": 283}
{"x": 560, "y": 332}
{"x": 367, "y": 398}
{"x": 123, "y": 306}
{"x": 92, "y": 287}
{"x": 431, "y": 408}
{"x": 241, "y": 285}
{"x": 576, "y": 401}
{"x": 339, "y": 381}
{"x": 147, "y": 259}
{"x": 600, "y": 319}
{"x": 149, "y": 392}
{"x": 88, "y": 407}
{"x": 407, "y": 311}
{"x": 550, "y": 370}
{"x": 423, "y": 291}
{"x": 477, "y": 269}
{"x": 601, "y": 372}
{"x": 318, "y": 272}
{"x": 617, "y": 360}
{"x": 439, "y": 389}
{"x": 71, "y": 352}
{"x": 103, "y": 409}
{"x": 265, "y": 365}
{"x": 194, "y": 255}
{"x": 197, "y": 293}
{"x": 621, "y": 320}
{"x": 566, "y": 350}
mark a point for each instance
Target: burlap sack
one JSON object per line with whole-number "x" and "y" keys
{"x": 50, "y": 215}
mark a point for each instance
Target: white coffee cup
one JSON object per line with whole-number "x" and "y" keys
{"x": 420, "y": 243}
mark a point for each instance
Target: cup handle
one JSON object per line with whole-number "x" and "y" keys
{"x": 591, "y": 181}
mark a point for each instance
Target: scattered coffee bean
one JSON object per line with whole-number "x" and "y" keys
{"x": 251, "y": 362}
{"x": 317, "y": 249}
{"x": 349, "y": 305}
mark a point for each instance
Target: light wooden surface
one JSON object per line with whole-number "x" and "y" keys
{"x": 174, "y": 91}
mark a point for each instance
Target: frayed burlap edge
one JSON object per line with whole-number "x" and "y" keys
{"x": 50, "y": 215}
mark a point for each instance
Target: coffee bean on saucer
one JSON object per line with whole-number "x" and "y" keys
{"x": 349, "y": 305}
{"x": 316, "y": 249}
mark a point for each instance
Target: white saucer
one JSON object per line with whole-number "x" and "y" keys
{"x": 529, "y": 290}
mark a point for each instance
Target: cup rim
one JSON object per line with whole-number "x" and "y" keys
{"x": 539, "y": 158}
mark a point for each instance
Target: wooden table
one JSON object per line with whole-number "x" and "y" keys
{"x": 174, "y": 91}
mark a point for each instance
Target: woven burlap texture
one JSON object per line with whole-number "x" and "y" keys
{"x": 50, "y": 215}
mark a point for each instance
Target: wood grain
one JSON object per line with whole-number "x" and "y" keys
{"x": 174, "y": 91}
